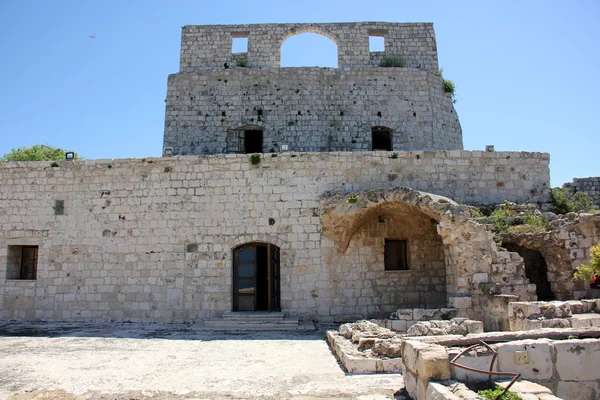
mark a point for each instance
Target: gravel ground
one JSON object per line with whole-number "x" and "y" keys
{"x": 44, "y": 361}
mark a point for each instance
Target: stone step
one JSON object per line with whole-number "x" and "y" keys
{"x": 224, "y": 325}
{"x": 254, "y": 315}
{"x": 250, "y": 321}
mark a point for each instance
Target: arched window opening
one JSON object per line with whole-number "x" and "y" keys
{"x": 309, "y": 50}
{"x": 381, "y": 138}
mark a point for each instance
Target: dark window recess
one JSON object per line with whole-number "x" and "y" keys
{"x": 396, "y": 258}
{"x": 29, "y": 263}
{"x": 59, "y": 207}
{"x": 253, "y": 141}
{"x": 22, "y": 262}
{"x": 381, "y": 138}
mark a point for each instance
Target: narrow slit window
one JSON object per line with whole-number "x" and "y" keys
{"x": 396, "y": 258}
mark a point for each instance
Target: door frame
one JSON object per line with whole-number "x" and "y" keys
{"x": 273, "y": 276}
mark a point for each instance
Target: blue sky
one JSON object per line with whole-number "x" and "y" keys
{"x": 525, "y": 71}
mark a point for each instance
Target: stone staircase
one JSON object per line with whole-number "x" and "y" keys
{"x": 253, "y": 321}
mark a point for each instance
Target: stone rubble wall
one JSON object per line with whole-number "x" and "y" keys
{"x": 590, "y": 186}
{"x": 210, "y": 46}
{"x": 564, "y": 249}
{"x": 309, "y": 109}
{"x": 151, "y": 239}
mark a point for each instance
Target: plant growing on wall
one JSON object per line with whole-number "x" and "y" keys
{"x": 449, "y": 86}
{"x": 591, "y": 270}
{"x": 255, "y": 159}
{"x": 353, "y": 198}
{"x": 392, "y": 61}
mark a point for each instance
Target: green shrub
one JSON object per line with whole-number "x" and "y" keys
{"x": 255, "y": 159}
{"x": 500, "y": 217}
{"x": 353, "y": 198}
{"x": 392, "y": 61}
{"x": 449, "y": 86}
{"x": 591, "y": 270}
{"x": 563, "y": 201}
{"x": 492, "y": 394}
{"x": 242, "y": 62}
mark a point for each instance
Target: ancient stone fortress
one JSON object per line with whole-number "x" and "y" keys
{"x": 306, "y": 194}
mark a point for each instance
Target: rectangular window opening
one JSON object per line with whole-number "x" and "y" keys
{"x": 376, "y": 43}
{"x": 22, "y": 262}
{"x": 239, "y": 43}
{"x": 253, "y": 141}
{"x": 381, "y": 139}
{"x": 396, "y": 257}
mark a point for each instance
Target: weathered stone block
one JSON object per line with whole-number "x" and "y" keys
{"x": 540, "y": 356}
{"x": 437, "y": 391}
{"x": 433, "y": 363}
{"x": 578, "y": 390}
{"x": 577, "y": 360}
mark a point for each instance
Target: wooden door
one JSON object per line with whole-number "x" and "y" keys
{"x": 274, "y": 283}
{"x": 244, "y": 278}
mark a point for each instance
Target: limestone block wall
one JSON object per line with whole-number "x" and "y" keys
{"x": 308, "y": 109}
{"x": 152, "y": 239}
{"x": 210, "y": 46}
{"x": 590, "y": 186}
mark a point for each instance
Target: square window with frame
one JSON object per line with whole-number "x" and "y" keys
{"x": 396, "y": 255}
{"x": 22, "y": 262}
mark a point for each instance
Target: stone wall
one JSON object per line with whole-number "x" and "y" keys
{"x": 590, "y": 186}
{"x": 152, "y": 239}
{"x": 210, "y": 46}
{"x": 308, "y": 109}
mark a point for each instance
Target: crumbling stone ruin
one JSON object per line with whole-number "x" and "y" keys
{"x": 589, "y": 186}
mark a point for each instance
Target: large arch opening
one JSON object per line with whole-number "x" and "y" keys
{"x": 536, "y": 269}
{"x": 309, "y": 49}
{"x": 256, "y": 277}
{"x": 389, "y": 252}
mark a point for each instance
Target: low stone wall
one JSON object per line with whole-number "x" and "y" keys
{"x": 568, "y": 368}
{"x": 402, "y": 319}
{"x": 528, "y": 315}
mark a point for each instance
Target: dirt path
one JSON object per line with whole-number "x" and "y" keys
{"x": 131, "y": 361}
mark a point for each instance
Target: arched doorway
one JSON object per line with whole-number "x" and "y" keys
{"x": 536, "y": 269}
{"x": 256, "y": 277}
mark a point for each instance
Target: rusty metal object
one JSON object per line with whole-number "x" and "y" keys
{"x": 515, "y": 375}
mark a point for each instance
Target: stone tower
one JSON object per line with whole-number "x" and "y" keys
{"x": 224, "y": 102}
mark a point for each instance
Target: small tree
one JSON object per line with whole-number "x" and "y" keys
{"x": 563, "y": 201}
{"x": 591, "y": 270}
{"x": 38, "y": 152}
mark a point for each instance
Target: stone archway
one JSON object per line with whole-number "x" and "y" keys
{"x": 474, "y": 271}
